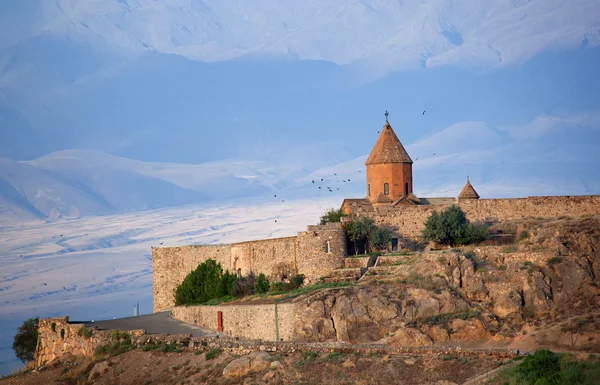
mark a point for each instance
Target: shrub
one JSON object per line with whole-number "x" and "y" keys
{"x": 543, "y": 365}
{"x": 297, "y": 281}
{"x": 279, "y": 287}
{"x": 205, "y": 283}
{"x": 451, "y": 227}
{"x": 25, "y": 341}
{"x": 244, "y": 286}
{"x": 309, "y": 356}
{"x": 332, "y": 215}
{"x": 62, "y": 333}
{"x": 262, "y": 284}
{"x": 162, "y": 347}
{"x": 213, "y": 353}
{"x": 53, "y": 327}
{"x": 84, "y": 332}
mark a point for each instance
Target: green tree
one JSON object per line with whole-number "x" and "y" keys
{"x": 332, "y": 215}
{"x": 262, "y": 284}
{"x": 364, "y": 231}
{"x": 25, "y": 341}
{"x": 352, "y": 233}
{"x": 380, "y": 238}
{"x": 203, "y": 284}
{"x": 451, "y": 227}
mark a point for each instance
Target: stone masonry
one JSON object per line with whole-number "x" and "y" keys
{"x": 314, "y": 253}
{"x": 409, "y": 221}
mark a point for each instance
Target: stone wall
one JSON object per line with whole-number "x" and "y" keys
{"x": 314, "y": 253}
{"x": 170, "y": 265}
{"x": 244, "y": 321}
{"x": 410, "y": 220}
{"x": 321, "y": 250}
{"x": 272, "y": 257}
{"x": 52, "y": 346}
{"x": 57, "y": 337}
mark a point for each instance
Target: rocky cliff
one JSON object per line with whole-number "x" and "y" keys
{"x": 543, "y": 289}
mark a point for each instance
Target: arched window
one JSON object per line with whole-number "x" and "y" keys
{"x": 406, "y": 188}
{"x": 239, "y": 273}
{"x": 386, "y": 189}
{"x": 327, "y": 247}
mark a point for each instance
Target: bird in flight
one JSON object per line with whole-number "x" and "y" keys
{"x": 434, "y": 154}
{"x": 423, "y": 112}
{"x": 319, "y": 187}
{"x": 275, "y": 220}
{"x": 313, "y": 181}
{"x": 275, "y": 196}
{"x": 161, "y": 243}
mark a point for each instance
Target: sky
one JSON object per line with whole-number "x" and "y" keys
{"x": 119, "y": 118}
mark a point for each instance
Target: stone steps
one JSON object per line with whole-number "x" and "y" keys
{"x": 393, "y": 260}
{"x": 350, "y": 262}
{"x": 346, "y": 274}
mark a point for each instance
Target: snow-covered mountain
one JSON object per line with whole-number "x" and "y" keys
{"x": 549, "y": 155}
{"x": 386, "y": 34}
{"x": 192, "y": 81}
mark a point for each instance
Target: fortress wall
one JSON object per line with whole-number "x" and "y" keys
{"x": 273, "y": 257}
{"x": 315, "y": 260}
{"x": 244, "y": 321}
{"x": 305, "y": 254}
{"x": 410, "y": 220}
{"x": 57, "y": 337}
{"x": 170, "y": 265}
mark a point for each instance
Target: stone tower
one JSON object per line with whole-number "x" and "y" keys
{"x": 389, "y": 170}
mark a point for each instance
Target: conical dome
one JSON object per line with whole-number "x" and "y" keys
{"x": 388, "y": 148}
{"x": 468, "y": 192}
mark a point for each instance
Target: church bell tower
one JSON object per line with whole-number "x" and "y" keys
{"x": 389, "y": 170}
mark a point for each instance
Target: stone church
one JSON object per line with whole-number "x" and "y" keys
{"x": 390, "y": 179}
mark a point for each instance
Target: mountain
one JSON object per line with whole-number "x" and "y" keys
{"x": 550, "y": 155}
{"x": 404, "y": 33}
{"x": 199, "y": 81}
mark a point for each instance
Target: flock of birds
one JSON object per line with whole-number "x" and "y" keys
{"x": 330, "y": 189}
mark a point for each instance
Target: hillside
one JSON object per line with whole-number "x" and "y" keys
{"x": 541, "y": 290}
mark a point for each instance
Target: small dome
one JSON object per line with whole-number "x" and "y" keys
{"x": 468, "y": 192}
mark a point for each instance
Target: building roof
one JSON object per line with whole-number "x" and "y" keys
{"x": 468, "y": 192}
{"x": 388, "y": 148}
{"x": 353, "y": 206}
{"x": 410, "y": 199}
{"x": 438, "y": 201}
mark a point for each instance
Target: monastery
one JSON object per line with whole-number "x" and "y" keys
{"x": 389, "y": 200}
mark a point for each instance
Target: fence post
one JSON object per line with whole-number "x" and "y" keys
{"x": 276, "y": 324}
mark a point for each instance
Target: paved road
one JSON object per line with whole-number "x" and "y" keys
{"x": 156, "y": 323}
